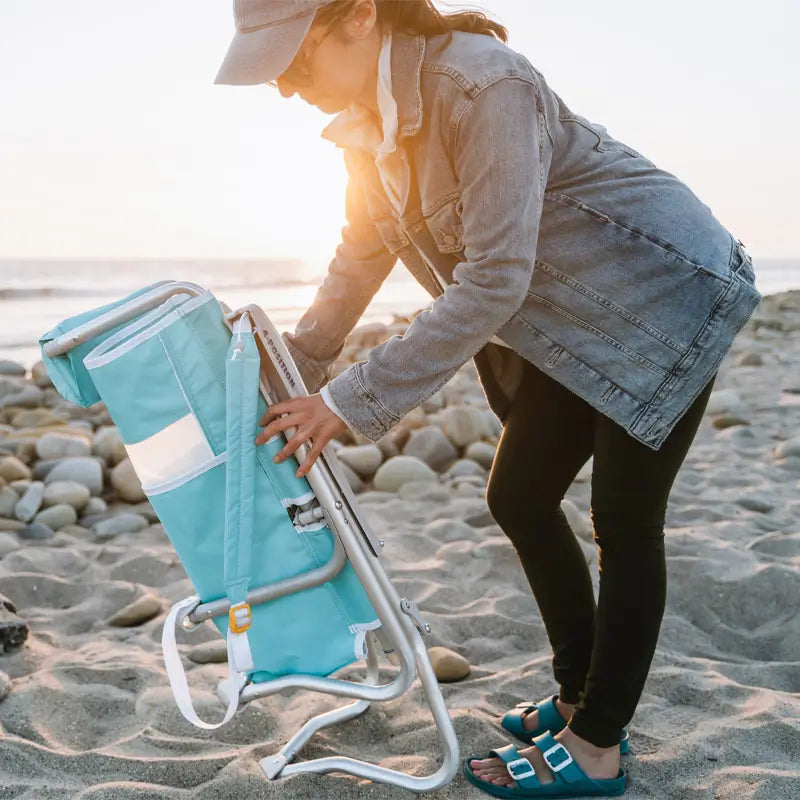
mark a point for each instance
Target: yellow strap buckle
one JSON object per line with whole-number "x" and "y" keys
{"x": 239, "y": 617}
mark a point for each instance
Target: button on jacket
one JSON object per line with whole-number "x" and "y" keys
{"x": 571, "y": 247}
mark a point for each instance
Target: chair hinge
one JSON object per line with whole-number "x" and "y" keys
{"x": 410, "y": 608}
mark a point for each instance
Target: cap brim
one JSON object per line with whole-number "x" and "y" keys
{"x": 262, "y": 55}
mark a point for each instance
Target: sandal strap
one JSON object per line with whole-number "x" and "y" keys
{"x": 520, "y": 769}
{"x": 549, "y": 716}
{"x": 559, "y": 759}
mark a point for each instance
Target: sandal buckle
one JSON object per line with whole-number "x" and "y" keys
{"x": 520, "y": 762}
{"x": 559, "y": 765}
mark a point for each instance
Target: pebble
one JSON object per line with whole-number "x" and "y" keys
{"x": 58, "y": 516}
{"x": 789, "y": 448}
{"x": 61, "y": 445}
{"x": 363, "y": 459}
{"x": 141, "y": 610}
{"x": 429, "y": 444}
{"x": 580, "y": 522}
{"x": 728, "y": 421}
{"x": 69, "y": 492}
{"x": 449, "y": 530}
{"x": 356, "y": 484}
{"x": 482, "y": 453}
{"x": 86, "y": 470}
{"x": 40, "y": 375}
{"x": 36, "y": 531}
{"x": 215, "y": 652}
{"x": 465, "y": 467}
{"x": 35, "y": 418}
{"x": 12, "y": 469}
{"x": 463, "y": 425}
{"x": 5, "y": 685}
{"x": 8, "y": 501}
{"x": 25, "y": 510}
{"x": 126, "y": 482}
{"x": 96, "y": 505}
{"x": 752, "y": 503}
{"x": 724, "y": 401}
{"x": 13, "y": 630}
{"x": 120, "y": 523}
{"x": 749, "y": 359}
{"x": 108, "y": 445}
{"x": 12, "y": 368}
{"x": 11, "y": 524}
{"x": 29, "y": 397}
{"x": 393, "y": 473}
{"x": 8, "y": 543}
{"x": 480, "y": 519}
{"x": 448, "y": 665}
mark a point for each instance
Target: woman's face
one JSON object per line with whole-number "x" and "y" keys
{"x": 337, "y": 63}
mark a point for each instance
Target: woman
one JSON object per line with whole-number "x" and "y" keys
{"x": 595, "y": 292}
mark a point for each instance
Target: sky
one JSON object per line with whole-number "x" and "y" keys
{"x": 115, "y": 142}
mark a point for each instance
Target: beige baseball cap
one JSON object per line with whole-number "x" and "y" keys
{"x": 268, "y": 35}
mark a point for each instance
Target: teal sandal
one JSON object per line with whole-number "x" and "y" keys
{"x": 569, "y": 780}
{"x": 550, "y": 720}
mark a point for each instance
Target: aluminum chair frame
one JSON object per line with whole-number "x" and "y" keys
{"x": 400, "y": 636}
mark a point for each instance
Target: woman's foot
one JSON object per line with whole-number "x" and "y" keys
{"x": 530, "y": 721}
{"x": 599, "y": 763}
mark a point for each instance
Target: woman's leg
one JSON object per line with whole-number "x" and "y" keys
{"x": 630, "y": 488}
{"x": 547, "y": 437}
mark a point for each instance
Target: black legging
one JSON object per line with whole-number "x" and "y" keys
{"x": 601, "y": 654}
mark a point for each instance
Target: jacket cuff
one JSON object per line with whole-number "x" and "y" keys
{"x": 325, "y": 393}
{"x": 360, "y": 409}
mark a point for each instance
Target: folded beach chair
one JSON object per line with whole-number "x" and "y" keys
{"x": 286, "y": 568}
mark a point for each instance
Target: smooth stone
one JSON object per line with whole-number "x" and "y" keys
{"x": 465, "y": 467}
{"x": 792, "y": 463}
{"x": 13, "y": 525}
{"x": 120, "y": 523}
{"x": 424, "y": 491}
{"x": 10, "y": 385}
{"x": 463, "y": 425}
{"x": 61, "y": 445}
{"x": 36, "y": 531}
{"x": 20, "y": 486}
{"x": 430, "y": 445}
{"x": 493, "y": 423}
{"x": 449, "y": 530}
{"x": 392, "y": 474}
{"x": 363, "y": 459}
{"x": 30, "y": 397}
{"x": 434, "y": 403}
{"x": 56, "y": 517}
{"x": 40, "y": 375}
{"x": 35, "y": 418}
{"x": 724, "y": 401}
{"x": 143, "y": 509}
{"x": 141, "y": 610}
{"x": 482, "y": 453}
{"x": 585, "y": 472}
{"x": 215, "y": 652}
{"x": 86, "y": 470}
{"x": 789, "y": 448}
{"x": 5, "y": 685}
{"x": 728, "y": 421}
{"x": 8, "y": 543}
{"x": 96, "y": 505}
{"x": 12, "y": 469}
{"x": 12, "y": 368}
{"x": 25, "y": 510}
{"x": 755, "y": 504}
{"x": 69, "y": 492}
{"x": 580, "y": 523}
{"x": 8, "y": 501}
{"x": 749, "y": 359}
{"x": 448, "y": 665}
{"x": 480, "y": 519}
{"x": 356, "y": 484}
{"x": 109, "y": 446}
{"x": 126, "y": 482}
{"x": 42, "y": 468}
{"x": 416, "y": 418}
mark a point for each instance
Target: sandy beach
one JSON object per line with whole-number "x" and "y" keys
{"x": 85, "y": 706}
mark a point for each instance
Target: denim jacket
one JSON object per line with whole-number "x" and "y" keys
{"x": 575, "y": 250}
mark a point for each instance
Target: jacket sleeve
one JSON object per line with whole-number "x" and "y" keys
{"x": 361, "y": 264}
{"x": 502, "y": 153}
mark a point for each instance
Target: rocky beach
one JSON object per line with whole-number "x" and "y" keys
{"x": 87, "y": 575}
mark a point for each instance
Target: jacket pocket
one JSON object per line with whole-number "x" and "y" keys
{"x": 444, "y": 223}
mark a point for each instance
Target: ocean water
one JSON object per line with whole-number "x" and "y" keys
{"x": 37, "y": 295}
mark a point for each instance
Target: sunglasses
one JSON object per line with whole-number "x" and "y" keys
{"x": 298, "y": 72}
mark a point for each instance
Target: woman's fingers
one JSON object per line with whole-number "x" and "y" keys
{"x": 316, "y": 449}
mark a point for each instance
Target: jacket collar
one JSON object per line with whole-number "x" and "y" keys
{"x": 407, "y": 56}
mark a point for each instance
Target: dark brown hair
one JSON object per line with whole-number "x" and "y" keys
{"x": 419, "y": 17}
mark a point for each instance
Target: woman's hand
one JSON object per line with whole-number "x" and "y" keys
{"x": 314, "y": 421}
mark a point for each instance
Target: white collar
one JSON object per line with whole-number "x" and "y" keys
{"x": 355, "y": 126}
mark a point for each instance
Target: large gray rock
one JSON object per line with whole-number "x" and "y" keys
{"x": 57, "y": 517}
{"x": 141, "y": 610}
{"x": 463, "y": 425}
{"x": 12, "y": 368}
{"x": 127, "y": 483}
{"x": 25, "y": 510}
{"x": 120, "y": 523}
{"x": 86, "y": 470}
{"x": 215, "y": 652}
{"x": 401, "y": 469}
{"x": 108, "y": 445}
{"x": 70, "y": 492}
{"x": 429, "y": 444}
{"x": 29, "y": 396}
{"x": 61, "y": 445}
{"x": 725, "y": 401}
{"x": 36, "y": 531}
{"x": 363, "y": 459}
